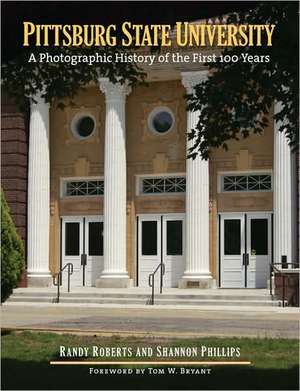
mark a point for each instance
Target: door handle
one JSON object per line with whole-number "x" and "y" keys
{"x": 83, "y": 259}
{"x": 246, "y": 259}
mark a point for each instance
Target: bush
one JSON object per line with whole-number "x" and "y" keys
{"x": 12, "y": 252}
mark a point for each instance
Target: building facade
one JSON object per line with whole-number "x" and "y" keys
{"x": 109, "y": 189}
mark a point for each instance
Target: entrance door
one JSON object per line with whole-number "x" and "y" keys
{"x": 245, "y": 249}
{"x": 232, "y": 250}
{"x": 259, "y": 250}
{"x": 82, "y": 245}
{"x": 160, "y": 240}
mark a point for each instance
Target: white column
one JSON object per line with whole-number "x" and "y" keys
{"x": 197, "y": 273}
{"x": 38, "y": 194}
{"x": 115, "y": 272}
{"x": 283, "y": 195}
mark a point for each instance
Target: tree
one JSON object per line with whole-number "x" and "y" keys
{"x": 59, "y": 80}
{"x": 235, "y": 100}
{"x": 12, "y": 252}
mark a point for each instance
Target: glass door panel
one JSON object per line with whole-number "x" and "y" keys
{"x": 232, "y": 249}
{"x": 94, "y": 249}
{"x": 258, "y": 249}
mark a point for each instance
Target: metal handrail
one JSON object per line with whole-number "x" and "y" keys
{"x": 57, "y": 278}
{"x": 284, "y": 265}
{"x": 151, "y": 280}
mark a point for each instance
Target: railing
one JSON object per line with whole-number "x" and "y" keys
{"x": 57, "y": 279}
{"x": 274, "y": 267}
{"x": 161, "y": 267}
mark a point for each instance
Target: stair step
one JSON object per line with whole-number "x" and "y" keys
{"x": 85, "y": 296}
{"x": 142, "y": 301}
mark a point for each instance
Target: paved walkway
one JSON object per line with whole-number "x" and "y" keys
{"x": 158, "y": 321}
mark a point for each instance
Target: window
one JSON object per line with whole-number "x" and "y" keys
{"x": 84, "y": 188}
{"x": 96, "y": 238}
{"x": 149, "y": 238}
{"x": 72, "y": 239}
{"x": 247, "y": 182}
{"x": 83, "y": 125}
{"x": 174, "y": 237}
{"x": 161, "y": 120}
{"x": 259, "y": 237}
{"x": 232, "y": 237}
{"x": 163, "y": 185}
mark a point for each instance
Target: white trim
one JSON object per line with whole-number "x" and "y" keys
{"x": 240, "y": 172}
{"x": 95, "y": 262}
{"x": 234, "y": 214}
{"x": 220, "y": 242}
{"x": 150, "y": 216}
{"x": 136, "y": 230}
{"x": 140, "y": 177}
{"x": 70, "y": 218}
{"x": 64, "y": 180}
{"x": 143, "y": 260}
{"x": 221, "y": 174}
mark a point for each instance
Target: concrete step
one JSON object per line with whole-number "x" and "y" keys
{"x": 169, "y": 296}
{"x": 141, "y": 297}
{"x": 159, "y": 300}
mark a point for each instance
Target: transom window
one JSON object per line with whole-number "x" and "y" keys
{"x": 247, "y": 182}
{"x": 84, "y": 188}
{"x": 163, "y": 185}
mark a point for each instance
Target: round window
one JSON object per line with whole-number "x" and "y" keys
{"x": 83, "y": 126}
{"x": 161, "y": 120}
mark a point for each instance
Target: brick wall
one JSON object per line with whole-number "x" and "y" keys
{"x": 287, "y": 286}
{"x": 297, "y": 206}
{"x": 14, "y": 151}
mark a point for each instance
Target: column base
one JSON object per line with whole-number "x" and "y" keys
{"x": 114, "y": 282}
{"x": 197, "y": 282}
{"x": 39, "y": 280}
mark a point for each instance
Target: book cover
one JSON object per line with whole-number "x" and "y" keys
{"x": 150, "y": 195}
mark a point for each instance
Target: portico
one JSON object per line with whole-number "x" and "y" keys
{"x": 118, "y": 159}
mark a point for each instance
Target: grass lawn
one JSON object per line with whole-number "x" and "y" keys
{"x": 26, "y": 356}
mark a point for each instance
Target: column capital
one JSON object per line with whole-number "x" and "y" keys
{"x": 38, "y": 99}
{"x": 191, "y": 79}
{"x": 113, "y": 91}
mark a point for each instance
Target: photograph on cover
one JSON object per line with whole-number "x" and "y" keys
{"x": 150, "y": 195}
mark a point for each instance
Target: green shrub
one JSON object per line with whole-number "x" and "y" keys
{"x": 12, "y": 252}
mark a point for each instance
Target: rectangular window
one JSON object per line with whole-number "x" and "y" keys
{"x": 174, "y": 237}
{"x": 84, "y": 188}
{"x": 149, "y": 238}
{"x": 163, "y": 185}
{"x": 259, "y": 237}
{"x": 246, "y": 182}
{"x": 96, "y": 238}
{"x": 232, "y": 237}
{"x": 72, "y": 239}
